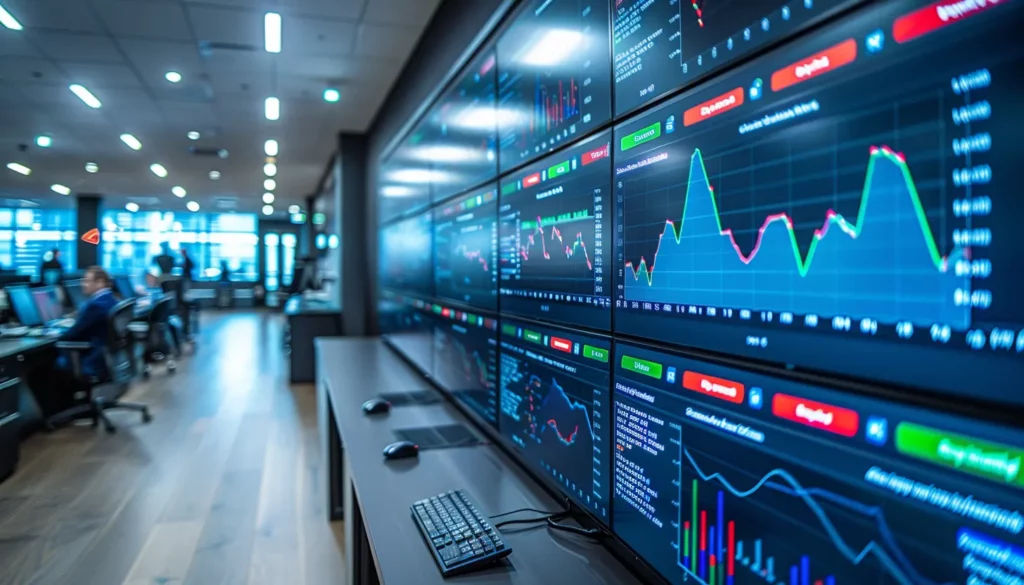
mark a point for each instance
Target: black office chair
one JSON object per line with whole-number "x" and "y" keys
{"x": 185, "y": 312}
{"x": 159, "y": 344}
{"x": 119, "y": 358}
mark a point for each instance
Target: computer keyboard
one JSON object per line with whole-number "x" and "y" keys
{"x": 461, "y": 537}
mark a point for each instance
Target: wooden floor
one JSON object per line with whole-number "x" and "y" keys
{"x": 222, "y": 487}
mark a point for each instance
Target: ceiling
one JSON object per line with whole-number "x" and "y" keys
{"x": 121, "y": 49}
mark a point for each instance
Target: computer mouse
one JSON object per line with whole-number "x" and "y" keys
{"x": 376, "y": 406}
{"x": 401, "y": 450}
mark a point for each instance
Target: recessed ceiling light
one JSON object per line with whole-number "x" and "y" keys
{"x": 85, "y": 95}
{"x": 268, "y": 198}
{"x": 60, "y": 189}
{"x": 331, "y": 95}
{"x": 172, "y": 76}
{"x": 179, "y": 192}
{"x": 132, "y": 207}
{"x": 192, "y": 206}
{"x": 214, "y": 175}
{"x": 270, "y": 147}
{"x": 44, "y": 141}
{"x": 19, "y": 168}
{"x": 158, "y": 170}
{"x": 92, "y": 168}
{"x": 270, "y": 184}
{"x": 270, "y": 169}
{"x": 272, "y": 108}
{"x": 9, "y": 21}
{"x": 223, "y": 153}
{"x": 272, "y": 32}
{"x": 268, "y": 210}
{"x": 131, "y": 141}
{"x": 293, "y": 209}
{"x": 193, "y": 135}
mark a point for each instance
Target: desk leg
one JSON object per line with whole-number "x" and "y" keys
{"x": 360, "y": 568}
{"x": 332, "y": 458}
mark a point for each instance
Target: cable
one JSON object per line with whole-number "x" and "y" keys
{"x": 526, "y": 521}
{"x": 590, "y": 532}
{"x": 546, "y": 514}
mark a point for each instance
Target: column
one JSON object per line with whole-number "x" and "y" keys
{"x": 88, "y": 218}
{"x": 351, "y": 227}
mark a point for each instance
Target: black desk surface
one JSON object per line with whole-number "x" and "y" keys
{"x": 355, "y": 370}
{"x": 14, "y": 345}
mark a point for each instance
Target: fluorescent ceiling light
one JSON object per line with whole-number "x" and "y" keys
{"x": 446, "y": 154}
{"x": 179, "y": 192}
{"x": 553, "y": 48}
{"x": 172, "y": 76}
{"x": 57, "y": 188}
{"x": 192, "y": 206}
{"x": 272, "y": 108}
{"x": 20, "y": 169}
{"x": 214, "y": 175}
{"x": 270, "y": 147}
{"x": 331, "y": 95}
{"x": 396, "y": 191}
{"x": 158, "y": 170}
{"x": 270, "y": 184}
{"x": 9, "y": 21}
{"x": 193, "y": 135}
{"x": 272, "y": 32}
{"x": 293, "y": 209}
{"x": 268, "y": 210}
{"x": 92, "y": 167}
{"x": 44, "y": 141}
{"x": 270, "y": 169}
{"x": 131, "y": 141}
{"x": 85, "y": 95}
{"x": 268, "y": 198}
{"x": 419, "y": 176}
{"x": 132, "y": 207}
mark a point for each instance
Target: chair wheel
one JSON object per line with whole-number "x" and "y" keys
{"x": 111, "y": 429}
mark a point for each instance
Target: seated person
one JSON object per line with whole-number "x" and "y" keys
{"x": 91, "y": 323}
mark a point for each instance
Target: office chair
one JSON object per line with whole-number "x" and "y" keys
{"x": 159, "y": 344}
{"x": 186, "y": 312}
{"x": 119, "y": 358}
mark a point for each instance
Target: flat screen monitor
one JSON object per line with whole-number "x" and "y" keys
{"x": 555, "y": 408}
{"x": 24, "y": 306}
{"x": 553, "y": 221}
{"x": 662, "y": 45}
{"x": 47, "y": 303}
{"x": 123, "y": 287}
{"x": 466, "y": 249}
{"x": 466, "y": 360}
{"x": 411, "y": 331}
{"x": 554, "y": 81}
{"x": 724, "y": 475}
{"x": 73, "y": 288}
{"x": 406, "y": 255}
{"x": 843, "y": 204}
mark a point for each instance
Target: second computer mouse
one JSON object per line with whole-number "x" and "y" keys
{"x": 401, "y": 450}
{"x": 376, "y": 406}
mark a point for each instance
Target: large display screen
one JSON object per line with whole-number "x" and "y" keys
{"x": 555, "y": 407}
{"x": 405, "y": 262}
{"x": 404, "y": 181}
{"x": 466, "y": 249}
{"x": 661, "y": 45}
{"x": 466, "y": 359}
{"x": 408, "y": 324}
{"x": 553, "y": 217}
{"x": 554, "y": 81}
{"x": 724, "y": 476}
{"x": 844, "y": 204}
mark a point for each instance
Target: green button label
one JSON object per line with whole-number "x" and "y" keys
{"x": 989, "y": 460}
{"x": 558, "y": 170}
{"x": 647, "y": 368}
{"x": 508, "y": 188}
{"x": 595, "y": 353}
{"x": 509, "y": 330}
{"x": 532, "y": 336}
{"x": 640, "y": 136}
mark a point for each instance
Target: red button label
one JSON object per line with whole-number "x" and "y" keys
{"x": 532, "y": 180}
{"x": 598, "y": 154}
{"x": 713, "y": 107}
{"x": 561, "y": 344}
{"x": 834, "y": 419}
{"x": 714, "y": 387}
{"x": 830, "y": 59}
{"x": 931, "y": 18}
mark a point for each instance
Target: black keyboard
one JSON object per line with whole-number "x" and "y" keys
{"x": 460, "y": 536}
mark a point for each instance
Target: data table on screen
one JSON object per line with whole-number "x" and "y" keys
{"x": 843, "y": 204}
{"x": 729, "y": 477}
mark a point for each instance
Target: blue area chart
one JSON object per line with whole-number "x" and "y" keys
{"x": 883, "y": 265}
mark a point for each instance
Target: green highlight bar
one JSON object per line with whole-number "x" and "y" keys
{"x": 533, "y": 336}
{"x": 437, "y": 309}
{"x": 559, "y": 170}
{"x": 595, "y": 353}
{"x": 509, "y": 330}
{"x": 641, "y": 136}
{"x": 556, "y": 219}
{"x": 509, "y": 188}
{"x": 981, "y": 458}
{"x": 645, "y": 367}
{"x": 694, "y": 528}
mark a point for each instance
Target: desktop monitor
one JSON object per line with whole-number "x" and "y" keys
{"x": 555, "y": 411}
{"x": 466, "y": 249}
{"x": 73, "y": 289}
{"x": 730, "y": 475}
{"x": 48, "y": 303}
{"x": 51, "y": 276}
{"x": 24, "y": 306}
{"x": 466, "y": 360}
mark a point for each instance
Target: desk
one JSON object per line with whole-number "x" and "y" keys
{"x": 307, "y": 320}
{"x": 18, "y": 408}
{"x": 382, "y": 543}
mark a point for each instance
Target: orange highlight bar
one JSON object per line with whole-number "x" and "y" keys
{"x": 714, "y": 387}
{"x": 713, "y": 107}
{"x": 932, "y": 18}
{"x": 830, "y": 59}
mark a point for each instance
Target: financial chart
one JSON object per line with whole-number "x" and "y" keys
{"x": 773, "y": 206}
{"x": 405, "y": 255}
{"x": 554, "y": 407}
{"x": 466, "y": 359}
{"x": 725, "y": 477}
{"x": 660, "y": 45}
{"x": 553, "y": 83}
{"x": 552, "y": 224}
{"x": 466, "y": 249}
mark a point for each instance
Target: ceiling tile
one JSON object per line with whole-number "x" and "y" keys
{"x": 338, "y": 9}
{"x": 15, "y": 44}
{"x": 53, "y": 14}
{"x": 147, "y": 19}
{"x": 77, "y": 47}
{"x": 187, "y": 114}
{"x": 318, "y": 38}
{"x": 385, "y": 41}
{"x": 228, "y": 25}
{"x": 408, "y": 12}
{"x": 96, "y": 76}
{"x": 16, "y": 70}
{"x": 152, "y": 59}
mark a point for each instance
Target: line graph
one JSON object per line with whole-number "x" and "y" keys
{"x": 570, "y": 250}
{"x": 474, "y": 256}
{"x": 465, "y": 363}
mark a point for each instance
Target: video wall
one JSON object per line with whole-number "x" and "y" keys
{"x": 736, "y": 277}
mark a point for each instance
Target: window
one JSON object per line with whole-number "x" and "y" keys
{"x": 27, "y": 235}
{"x": 132, "y": 240}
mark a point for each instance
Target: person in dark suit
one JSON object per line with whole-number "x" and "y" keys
{"x": 165, "y": 261}
{"x": 91, "y": 324}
